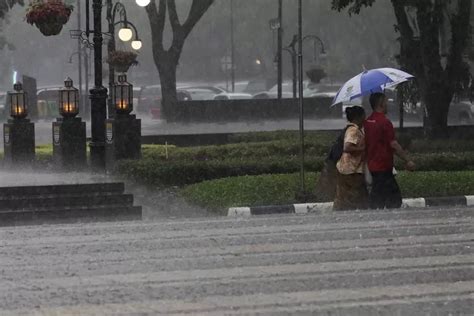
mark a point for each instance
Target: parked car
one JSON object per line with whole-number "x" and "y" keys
{"x": 287, "y": 91}
{"x": 48, "y": 98}
{"x": 149, "y": 101}
{"x": 461, "y": 112}
{"x": 214, "y": 93}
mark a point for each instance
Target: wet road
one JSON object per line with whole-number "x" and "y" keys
{"x": 43, "y": 129}
{"x": 405, "y": 263}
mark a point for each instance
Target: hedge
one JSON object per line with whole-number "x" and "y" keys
{"x": 178, "y": 173}
{"x": 181, "y": 173}
{"x": 281, "y": 189}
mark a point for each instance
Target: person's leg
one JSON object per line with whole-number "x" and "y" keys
{"x": 361, "y": 195}
{"x": 393, "y": 196}
{"x": 377, "y": 194}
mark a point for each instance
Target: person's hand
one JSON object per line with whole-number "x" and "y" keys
{"x": 410, "y": 166}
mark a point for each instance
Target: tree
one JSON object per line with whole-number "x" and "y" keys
{"x": 167, "y": 60}
{"x": 438, "y": 72}
{"x": 6, "y": 5}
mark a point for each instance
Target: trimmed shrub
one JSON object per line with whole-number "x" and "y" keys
{"x": 281, "y": 189}
{"x": 180, "y": 173}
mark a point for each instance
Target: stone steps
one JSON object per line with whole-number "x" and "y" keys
{"x": 30, "y": 205}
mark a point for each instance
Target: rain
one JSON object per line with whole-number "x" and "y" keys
{"x": 228, "y": 157}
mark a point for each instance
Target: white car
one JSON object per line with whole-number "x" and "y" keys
{"x": 213, "y": 93}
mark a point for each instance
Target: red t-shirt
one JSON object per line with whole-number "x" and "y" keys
{"x": 379, "y": 134}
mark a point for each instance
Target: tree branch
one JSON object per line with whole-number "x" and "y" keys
{"x": 157, "y": 23}
{"x": 6, "y": 5}
{"x": 174, "y": 19}
{"x": 181, "y": 32}
{"x": 198, "y": 8}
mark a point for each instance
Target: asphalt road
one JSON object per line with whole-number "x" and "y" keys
{"x": 409, "y": 262}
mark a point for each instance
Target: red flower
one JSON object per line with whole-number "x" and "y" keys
{"x": 48, "y": 11}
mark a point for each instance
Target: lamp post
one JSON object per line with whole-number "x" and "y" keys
{"x": 123, "y": 131}
{"x": 125, "y": 35}
{"x": 69, "y": 132}
{"x": 232, "y": 48}
{"x": 291, "y": 49}
{"x": 301, "y": 100}
{"x": 98, "y": 94}
{"x": 280, "y": 48}
{"x": 18, "y": 132}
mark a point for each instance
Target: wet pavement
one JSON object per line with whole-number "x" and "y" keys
{"x": 43, "y": 129}
{"x": 405, "y": 262}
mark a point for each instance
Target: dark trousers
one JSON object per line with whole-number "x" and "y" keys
{"x": 385, "y": 191}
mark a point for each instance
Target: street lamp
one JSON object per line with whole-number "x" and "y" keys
{"x": 69, "y": 132}
{"x": 125, "y": 34}
{"x": 19, "y": 132}
{"x": 18, "y": 102}
{"x": 143, "y": 3}
{"x": 123, "y": 96}
{"x": 68, "y": 100}
{"x": 137, "y": 44}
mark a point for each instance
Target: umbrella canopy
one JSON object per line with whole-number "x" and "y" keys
{"x": 369, "y": 82}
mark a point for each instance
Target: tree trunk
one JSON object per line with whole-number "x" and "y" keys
{"x": 167, "y": 70}
{"x": 437, "y": 99}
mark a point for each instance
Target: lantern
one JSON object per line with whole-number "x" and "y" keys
{"x": 123, "y": 95}
{"x": 68, "y": 100}
{"x": 18, "y": 102}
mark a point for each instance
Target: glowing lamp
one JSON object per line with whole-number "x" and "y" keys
{"x": 143, "y": 3}
{"x": 125, "y": 34}
{"x": 123, "y": 96}
{"x": 18, "y": 102}
{"x": 137, "y": 44}
{"x": 68, "y": 100}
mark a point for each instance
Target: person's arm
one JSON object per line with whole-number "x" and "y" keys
{"x": 398, "y": 149}
{"x": 352, "y": 141}
{"x": 353, "y": 148}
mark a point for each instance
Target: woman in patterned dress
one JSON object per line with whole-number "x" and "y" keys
{"x": 351, "y": 189}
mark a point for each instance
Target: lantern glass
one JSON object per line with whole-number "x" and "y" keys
{"x": 18, "y": 102}
{"x": 123, "y": 96}
{"x": 69, "y": 100}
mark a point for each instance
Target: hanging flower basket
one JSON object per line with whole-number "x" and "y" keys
{"x": 48, "y": 16}
{"x": 121, "y": 61}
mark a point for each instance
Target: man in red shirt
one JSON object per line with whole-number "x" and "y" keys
{"x": 381, "y": 145}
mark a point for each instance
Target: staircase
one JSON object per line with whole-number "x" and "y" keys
{"x": 29, "y": 205}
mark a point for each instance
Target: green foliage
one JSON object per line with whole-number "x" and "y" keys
{"x": 179, "y": 173}
{"x": 436, "y": 184}
{"x": 281, "y": 189}
{"x": 246, "y": 191}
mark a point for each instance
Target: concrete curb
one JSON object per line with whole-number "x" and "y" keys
{"x": 467, "y": 200}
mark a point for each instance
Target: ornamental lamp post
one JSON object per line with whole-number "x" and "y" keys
{"x": 69, "y": 100}
{"x": 123, "y": 130}
{"x": 18, "y": 102}
{"x": 18, "y": 132}
{"x": 123, "y": 96}
{"x": 69, "y": 132}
